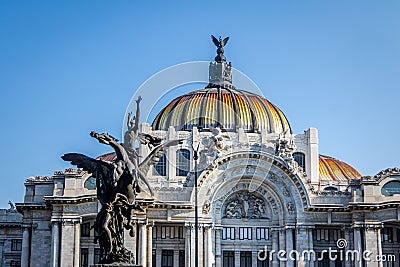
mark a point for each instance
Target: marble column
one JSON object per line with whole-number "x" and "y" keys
{"x": 282, "y": 245}
{"x": 275, "y": 247}
{"x": 55, "y": 243}
{"x": 208, "y": 247}
{"x": 77, "y": 244}
{"x": 373, "y": 245}
{"x": 378, "y": 232}
{"x": 358, "y": 246}
{"x": 67, "y": 251}
{"x": 347, "y": 234}
{"x": 25, "y": 247}
{"x": 289, "y": 245}
{"x": 218, "y": 251}
{"x": 142, "y": 244}
{"x": 201, "y": 245}
{"x": 302, "y": 246}
{"x": 188, "y": 246}
{"x": 311, "y": 245}
{"x": 192, "y": 246}
{"x": 149, "y": 244}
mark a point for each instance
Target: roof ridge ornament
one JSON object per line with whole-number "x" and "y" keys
{"x": 220, "y": 71}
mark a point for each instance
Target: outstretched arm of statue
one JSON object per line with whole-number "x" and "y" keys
{"x": 137, "y": 117}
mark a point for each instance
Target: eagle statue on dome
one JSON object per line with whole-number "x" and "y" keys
{"x": 118, "y": 184}
{"x": 220, "y": 51}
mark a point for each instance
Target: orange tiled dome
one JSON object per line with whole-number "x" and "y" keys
{"x": 333, "y": 169}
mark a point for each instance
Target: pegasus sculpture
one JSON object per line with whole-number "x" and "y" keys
{"x": 118, "y": 184}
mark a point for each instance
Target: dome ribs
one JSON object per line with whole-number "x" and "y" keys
{"x": 202, "y": 112}
{"x": 236, "y": 125}
{"x": 253, "y": 116}
{"x": 166, "y": 118}
{"x": 271, "y": 120}
{"x": 171, "y": 113}
{"x": 219, "y": 108}
{"x": 328, "y": 168}
{"x": 184, "y": 116}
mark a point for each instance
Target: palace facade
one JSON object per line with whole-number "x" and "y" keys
{"x": 260, "y": 188}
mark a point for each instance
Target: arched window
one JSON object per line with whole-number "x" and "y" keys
{"x": 160, "y": 168}
{"x": 300, "y": 158}
{"x": 182, "y": 162}
{"x": 90, "y": 183}
{"x": 391, "y": 188}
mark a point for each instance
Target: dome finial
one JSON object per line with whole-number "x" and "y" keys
{"x": 220, "y": 51}
{"x": 220, "y": 71}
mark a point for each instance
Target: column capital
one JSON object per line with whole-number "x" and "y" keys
{"x": 142, "y": 222}
{"x": 71, "y": 220}
{"x": 55, "y": 222}
{"x": 373, "y": 226}
{"x": 208, "y": 226}
{"x": 26, "y": 226}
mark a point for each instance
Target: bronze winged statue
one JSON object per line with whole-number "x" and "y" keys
{"x": 118, "y": 184}
{"x": 220, "y": 51}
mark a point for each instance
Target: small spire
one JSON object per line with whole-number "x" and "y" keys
{"x": 220, "y": 71}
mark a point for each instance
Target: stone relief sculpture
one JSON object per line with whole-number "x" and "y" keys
{"x": 118, "y": 184}
{"x": 245, "y": 205}
{"x": 285, "y": 147}
{"x": 212, "y": 146}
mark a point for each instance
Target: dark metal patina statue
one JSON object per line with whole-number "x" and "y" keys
{"x": 220, "y": 51}
{"x": 118, "y": 184}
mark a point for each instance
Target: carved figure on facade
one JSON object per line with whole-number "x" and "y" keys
{"x": 206, "y": 207}
{"x": 12, "y": 206}
{"x": 212, "y": 147}
{"x": 245, "y": 205}
{"x": 285, "y": 145}
{"x": 290, "y": 208}
{"x": 117, "y": 185}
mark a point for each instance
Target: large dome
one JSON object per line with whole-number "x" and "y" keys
{"x": 228, "y": 109}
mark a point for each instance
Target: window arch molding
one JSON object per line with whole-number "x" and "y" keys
{"x": 182, "y": 162}
{"x": 300, "y": 158}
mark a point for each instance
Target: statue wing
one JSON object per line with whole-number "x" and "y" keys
{"x": 101, "y": 170}
{"x": 153, "y": 159}
{"x": 223, "y": 43}
{"x": 215, "y": 41}
{"x": 155, "y": 155}
{"x": 150, "y": 140}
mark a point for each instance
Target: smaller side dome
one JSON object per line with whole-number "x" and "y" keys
{"x": 336, "y": 170}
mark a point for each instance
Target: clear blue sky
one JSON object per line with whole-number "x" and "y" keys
{"x": 69, "y": 67}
